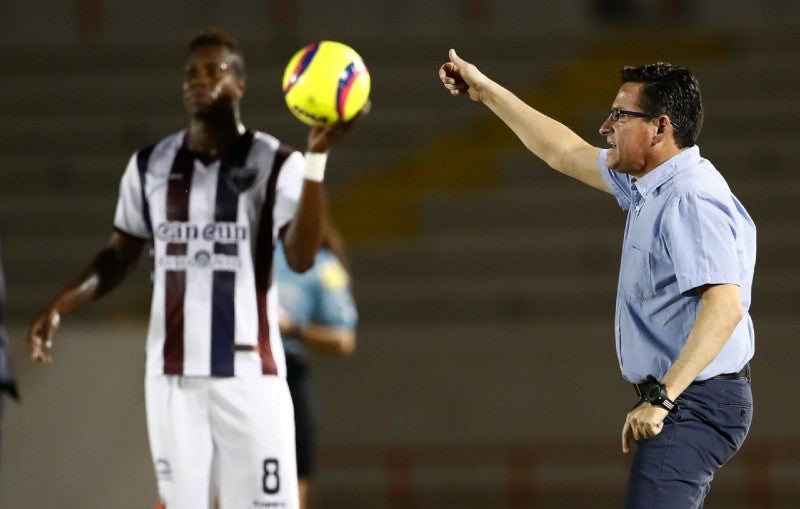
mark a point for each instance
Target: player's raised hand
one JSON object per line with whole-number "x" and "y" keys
{"x": 40, "y": 335}
{"x": 322, "y": 138}
{"x": 462, "y": 78}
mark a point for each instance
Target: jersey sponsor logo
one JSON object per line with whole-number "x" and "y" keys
{"x": 201, "y": 260}
{"x": 221, "y": 232}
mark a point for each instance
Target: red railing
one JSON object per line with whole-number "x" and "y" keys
{"x": 764, "y": 475}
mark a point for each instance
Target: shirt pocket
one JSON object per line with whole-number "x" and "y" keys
{"x": 636, "y": 279}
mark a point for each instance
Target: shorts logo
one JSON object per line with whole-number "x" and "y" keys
{"x": 163, "y": 470}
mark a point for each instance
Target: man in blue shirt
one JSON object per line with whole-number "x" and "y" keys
{"x": 8, "y": 382}
{"x": 683, "y": 333}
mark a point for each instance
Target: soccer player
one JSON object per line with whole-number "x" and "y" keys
{"x": 318, "y": 313}
{"x": 684, "y": 337}
{"x": 213, "y": 199}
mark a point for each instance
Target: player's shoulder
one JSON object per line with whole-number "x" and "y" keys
{"x": 162, "y": 149}
{"x": 268, "y": 143}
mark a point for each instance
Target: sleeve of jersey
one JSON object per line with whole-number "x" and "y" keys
{"x": 336, "y": 306}
{"x": 619, "y": 182}
{"x": 129, "y": 215}
{"x": 700, "y": 236}
{"x": 289, "y": 187}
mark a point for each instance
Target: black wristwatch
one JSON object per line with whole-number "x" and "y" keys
{"x": 656, "y": 395}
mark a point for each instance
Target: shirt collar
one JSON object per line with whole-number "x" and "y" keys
{"x": 665, "y": 171}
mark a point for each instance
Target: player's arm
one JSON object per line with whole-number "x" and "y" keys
{"x": 304, "y": 236}
{"x": 108, "y": 268}
{"x": 557, "y": 145}
{"x": 329, "y": 339}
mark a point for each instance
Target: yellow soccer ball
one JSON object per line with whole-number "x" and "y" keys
{"x": 326, "y": 82}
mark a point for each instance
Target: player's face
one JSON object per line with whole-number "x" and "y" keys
{"x": 210, "y": 83}
{"x": 630, "y": 137}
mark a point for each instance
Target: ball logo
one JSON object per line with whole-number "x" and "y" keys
{"x": 313, "y": 118}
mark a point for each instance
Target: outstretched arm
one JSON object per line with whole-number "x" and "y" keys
{"x": 553, "y": 142}
{"x": 110, "y": 266}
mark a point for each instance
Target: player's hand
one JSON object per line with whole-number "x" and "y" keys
{"x": 40, "y": 335}
{"x": 322, "y": 138}
{"x": 462, "y": 78}
{"x": 643, "y": 422}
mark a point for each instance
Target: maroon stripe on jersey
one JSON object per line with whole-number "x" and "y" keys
{"x": 263, "y": 261}
{"x": 180, "y": 181}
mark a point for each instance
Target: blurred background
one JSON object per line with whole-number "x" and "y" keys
{"x": 485, "y": 373}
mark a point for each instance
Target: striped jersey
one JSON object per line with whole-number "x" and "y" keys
{"x": 213, "y": 228}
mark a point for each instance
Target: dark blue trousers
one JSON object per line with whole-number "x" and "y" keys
{"x": 675, "y": 468}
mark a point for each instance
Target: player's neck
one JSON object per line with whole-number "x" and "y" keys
{"x": 211, "y": 140}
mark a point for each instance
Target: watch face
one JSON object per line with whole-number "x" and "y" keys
{"x": 653, "y": 393}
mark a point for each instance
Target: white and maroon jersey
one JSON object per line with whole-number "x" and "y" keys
{"x": 213, "y": 227}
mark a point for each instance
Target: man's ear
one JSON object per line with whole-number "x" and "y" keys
{"x": 662, "y": 124}
{"x": 661, "y": 129}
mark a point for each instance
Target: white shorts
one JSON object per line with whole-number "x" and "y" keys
{"x": 232, "y": 438}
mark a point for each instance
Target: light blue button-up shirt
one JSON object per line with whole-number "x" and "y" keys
{"x": 685, "y": 229}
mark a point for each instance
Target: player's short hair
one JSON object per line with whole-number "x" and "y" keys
{"x": 221, "y": 38}
{"x": 668, "y": 89}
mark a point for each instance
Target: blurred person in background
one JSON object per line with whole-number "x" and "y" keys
{"x": 684, "y": 336}
{"x": 213, "y": 199}
{"x": 317, "y": 313}
{"x": 8, "y": 382}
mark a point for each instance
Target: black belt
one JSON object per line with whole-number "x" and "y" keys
{"x": 743, "y": 373}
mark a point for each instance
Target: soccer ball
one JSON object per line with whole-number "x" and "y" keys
{"x": 326, "y": 82}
